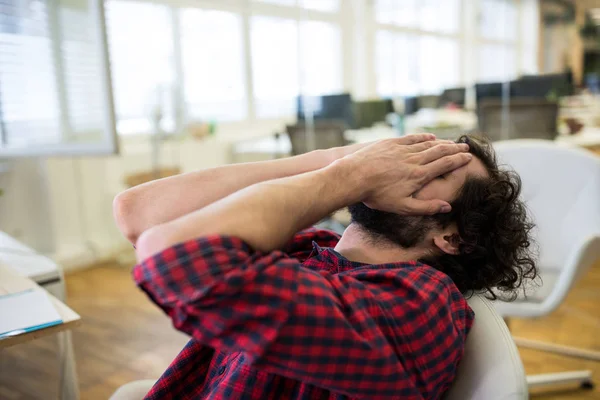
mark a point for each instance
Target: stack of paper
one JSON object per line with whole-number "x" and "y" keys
{"x": 26, "y": 311}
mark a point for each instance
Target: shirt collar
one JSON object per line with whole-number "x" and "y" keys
{"x": 335, "y": 262}
{"x": 326, "y": 258}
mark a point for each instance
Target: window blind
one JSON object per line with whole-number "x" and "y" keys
{"x": 55, "y": 95}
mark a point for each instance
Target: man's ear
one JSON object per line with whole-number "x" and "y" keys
{"x": 447, "y": 241}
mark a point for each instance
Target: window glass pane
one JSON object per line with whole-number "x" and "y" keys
{"x": 449, "y": 12}
{"x": 141, "y": 51}
{"x": 396, "y": 64}
{"x": 81, "y": 72}
{"x": 409, "y": 64}
{"x": 321, "y": 58}
{"x": 278, "y": 2}
{"x": 432, "y": 52}
{"x": 321, "y": 5}
{"x": 497, "y": 62}
{"x": 384, "y": 63}
{"x": 429, "y": 15}
{"x": 274, "y": 65}
{"x": 213, "y": 65}
{"x": 498, "y": 19}
{"x": 402, "y": 13}
{"x": 28, "y": 88}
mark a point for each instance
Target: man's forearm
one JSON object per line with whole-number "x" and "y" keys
{"x": 265, "y": 215}
{"x": 161, "y": 201}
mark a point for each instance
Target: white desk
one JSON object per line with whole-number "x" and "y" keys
{"x": 25, "y": 261}
{"x": 437, "y": 118}
{"x": 588, "y": 137}
{"x": 14, "y": 280}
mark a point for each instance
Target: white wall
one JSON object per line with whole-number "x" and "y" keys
{"x": 63, "y": 206}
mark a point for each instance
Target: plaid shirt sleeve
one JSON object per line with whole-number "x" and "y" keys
{"x": 367, "y": 333}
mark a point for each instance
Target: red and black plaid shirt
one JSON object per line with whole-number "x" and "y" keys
{"x": 304, "y": 322}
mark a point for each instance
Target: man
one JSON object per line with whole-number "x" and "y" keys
{"x": 278, "y": 312}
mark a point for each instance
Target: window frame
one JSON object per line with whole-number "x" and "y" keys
{"x": 418, "y": 33}
{"x": 516, "y": 43}
{"x": 246, "y": 9}
{"x": 109, "y": 143}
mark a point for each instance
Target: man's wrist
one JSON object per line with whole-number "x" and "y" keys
{"x": 349, "y": 175}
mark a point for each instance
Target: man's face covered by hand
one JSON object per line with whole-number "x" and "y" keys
{"x": 410, "y": 231}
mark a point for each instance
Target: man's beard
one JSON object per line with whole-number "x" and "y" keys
{"x": 405, "y": 231}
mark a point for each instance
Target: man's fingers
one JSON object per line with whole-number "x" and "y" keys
{"x": 441, "y": 150}
{"x": 425, "y": 207}
{"x": 446, "y": 164}
{"x": 423, "y": 146}
{"x": 416, "y": 138}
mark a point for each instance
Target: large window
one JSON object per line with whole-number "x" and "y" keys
{"x": 141, "y": 50}
{"x": 52, "y": 98}
{"x": 188, "y": 64}
{"x": 397, "y": 63}
{"x": 274, "y": 65}
{"x": 285, "y": 65}
{"x": 428, "y": 15}
{"x": 318, "y": 5}
{"x": 321, "y": 5}
{"x": 320, "y": 58}
{"x": 213, "y": 65}
{"x": 409, "y": 64}
{"x": 415, "y": 38}
{"x": 498, "y": 30}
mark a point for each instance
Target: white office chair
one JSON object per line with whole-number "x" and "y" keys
{"x": 561, "y": 186}
{"x": 491, "y": 368}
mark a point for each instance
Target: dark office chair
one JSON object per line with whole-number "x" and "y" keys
{"x": 527, "y": 118}
{"x": 411, "y": 105}
{"x": 428, "y": 101}
{"x": 327, "y": 134}
{"x": 454, "y": 96}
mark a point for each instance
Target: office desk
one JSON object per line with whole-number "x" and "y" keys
{"x": 12, "y": 282}
{"x": 259, "y": 147}
{"x": 27, "y": 263}
{"x": 589, "y": 137}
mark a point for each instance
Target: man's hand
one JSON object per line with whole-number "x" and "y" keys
{"x": 394, "y": 169}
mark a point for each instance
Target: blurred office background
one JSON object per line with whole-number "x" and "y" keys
{"x": 98, "y": 97}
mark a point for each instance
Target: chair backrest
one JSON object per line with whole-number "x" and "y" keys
{"x": 527, "y": 118}
{"x": 491, "y": 368}
{"x": 561, "y": 187}
{"x": 327, "y": 134}
{"x": 454, "y": 96}
{"x": 428, "y": 101}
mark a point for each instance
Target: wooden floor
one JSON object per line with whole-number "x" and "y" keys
{"x": 124, "y": 337}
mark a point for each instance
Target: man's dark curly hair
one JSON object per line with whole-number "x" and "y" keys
{"x": 495, "y": 249}
{"x": 495, "y": 253}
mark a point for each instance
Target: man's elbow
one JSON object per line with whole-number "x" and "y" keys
{"x": 154, "y": 240}
{"x": 124, "y": 215}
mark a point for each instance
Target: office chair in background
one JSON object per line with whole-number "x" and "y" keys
{"x": 526, "y": 118}
{"x": 454, "y": 96}
{"x": 429, "y": 101}
{"x": 327, "y": 134}
{"x": 561, "y": 187}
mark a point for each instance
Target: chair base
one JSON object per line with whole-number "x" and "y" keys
{"x": 582, "y": 378}
{"x": 558, "y": 349}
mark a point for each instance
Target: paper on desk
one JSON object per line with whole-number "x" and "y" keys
{"x": 26, "y": 311}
